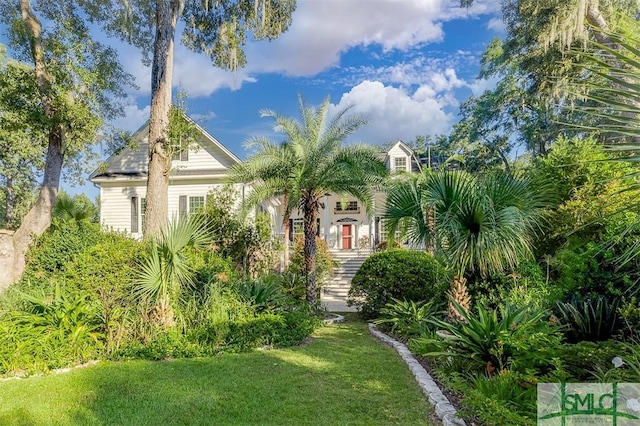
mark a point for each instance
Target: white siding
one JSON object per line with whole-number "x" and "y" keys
{"x": 115, "y": 200}
{"x": 206, "y": 156}
{"x": 398, "y": 151}
{"x": 131, "y": 159}
{"x": 115, "y": 204}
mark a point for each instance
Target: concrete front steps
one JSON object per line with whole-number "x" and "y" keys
{"x": 334, "y": 293}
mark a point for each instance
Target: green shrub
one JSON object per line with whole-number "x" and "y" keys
{"x": 527, "y": 285}
{"x": 51, "y": 331}
{"x": 580, "y": 360}
{"x": 271, "y": 329}
{"x": 52, "y": 251}
{"x": 399, "y": 274}
{"x": 324, "y": 260}
{"x": 166, "y": 345}
{"x": 263, "y": 294}
{"x": 502, "y": 399}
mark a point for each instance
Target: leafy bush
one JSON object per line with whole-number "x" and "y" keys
{"x": 165, "y": 345}
{"x": 594, "y": 319}
{"x": 502, "y": 399}
{"x": 271, "y": 329}
{"x": 408, "y": 318}
{"x": 580, "y": 360}
{"x": 399, "y": 274}
{"x": 52, "y": 251}
{"x": 52, "y": 330}
{"x": 525, "y": 286}
{"x": 249, "y": 245}
{"x": 293, "y": 284}
{"x": 262, "y": 294}
{"x": 324, "y": 260}
{"x": 514, "y": 337}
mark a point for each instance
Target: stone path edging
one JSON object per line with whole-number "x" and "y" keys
{"x": 443, "y": 407}
{"x": 335, "y": 319}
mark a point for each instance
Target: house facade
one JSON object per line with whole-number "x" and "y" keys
{"x": 194, "y": 173}
{"x": 343, "y": 222}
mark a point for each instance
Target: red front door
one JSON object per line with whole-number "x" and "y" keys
{"x": 346, "y": 237}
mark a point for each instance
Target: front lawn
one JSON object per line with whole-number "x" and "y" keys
{"x": 343, "y": 376}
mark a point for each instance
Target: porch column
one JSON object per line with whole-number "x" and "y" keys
{"x": 327, "y": 228}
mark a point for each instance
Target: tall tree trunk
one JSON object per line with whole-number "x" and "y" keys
{"x": 285, "y": 222}
{"x": 38, "y": 218}
{"x": 431, "y": 225}
{"x": 156, "y": 212}
{"x": 310, "y": 229}
{"x": 10, "y": 202}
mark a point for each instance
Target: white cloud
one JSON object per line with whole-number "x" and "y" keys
{"x": 394, "y": 112}
{"x": 195, "y": 74}
{"x": 133, "y": 117}
{"x": 497, "y": 25}
{"x": 323, "y": 29}
{"x": 479, "y": 86}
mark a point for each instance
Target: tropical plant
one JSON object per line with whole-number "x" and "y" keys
{"x": 613, "y": 92}
{"x": 408, "y": 318}
{"x": 484, "y": 224}
{"x": 321, "y": 165}
{"x": 52, "y": 326}
{"x": 247, "y": 243}
{"x": 78, "y": 208}
{"x": 270, "y": 170}
{"x": 592, "y": 319}
{"x": 496, "y": 339}
{"x": 324, "y": 261}
{"x": 164, "y": 272}
{"x": 262, "y": 294}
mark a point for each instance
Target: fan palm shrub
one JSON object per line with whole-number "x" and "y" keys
{"x": 165, "y": 271}
{"x": 484, "y": 224}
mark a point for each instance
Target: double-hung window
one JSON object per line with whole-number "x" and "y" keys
{"x": 400, "y": 164}
{"x": 188, "y": 205}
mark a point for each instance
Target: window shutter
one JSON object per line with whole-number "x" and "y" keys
{"x": 182, "y": 206}
{"x": 134, "y": 214}
{"x": 290, "y": 229}
{"x": 318, "y": 227}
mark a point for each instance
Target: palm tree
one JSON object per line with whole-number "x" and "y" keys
{"x": 76, "y": 209}
{"x": 164, "y": 271}
{"x": 484, "y": 224}
{"x": 321, "y": 164}
{"x": 271, "y": 170}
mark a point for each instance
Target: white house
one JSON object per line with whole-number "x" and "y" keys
{"x": 194, "y": 173}
{"x": 343, "y": 222}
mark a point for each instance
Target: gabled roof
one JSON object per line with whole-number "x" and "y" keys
{"x": 132, "y": 161}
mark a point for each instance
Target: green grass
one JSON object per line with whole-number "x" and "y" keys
{"x": 343, "y": 376}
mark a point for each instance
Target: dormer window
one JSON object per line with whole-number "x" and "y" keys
{"x": 400, "y": 164}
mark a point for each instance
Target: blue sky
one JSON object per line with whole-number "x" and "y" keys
{"x": 406, "y": 64}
